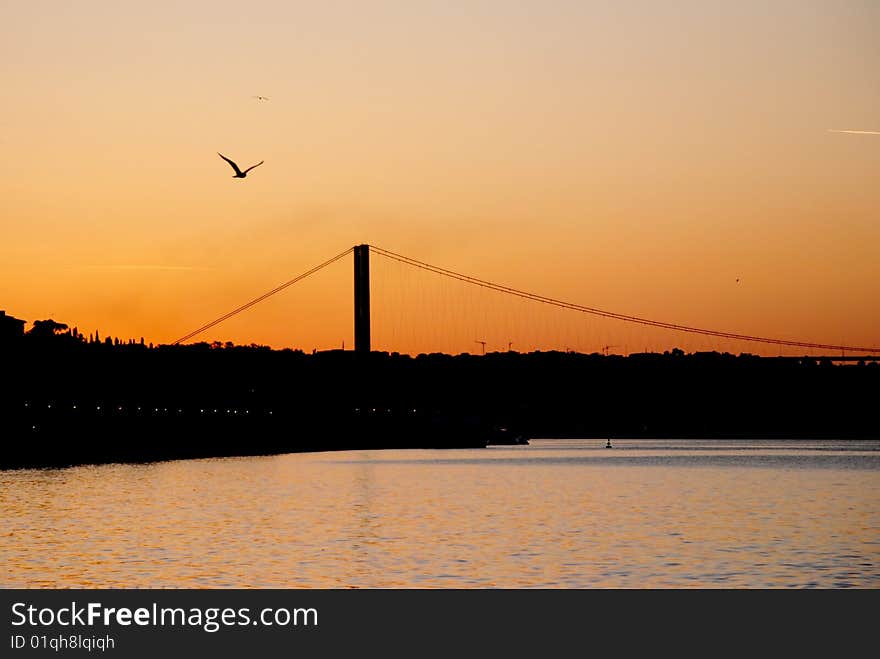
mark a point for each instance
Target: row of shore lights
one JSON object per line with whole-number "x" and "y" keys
{"x": 164, "y": 410}
{"x": 156, "y": 410}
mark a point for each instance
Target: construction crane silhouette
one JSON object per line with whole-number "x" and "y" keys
{"x": 606, "y": 348}
{"x": 482, "y": 343}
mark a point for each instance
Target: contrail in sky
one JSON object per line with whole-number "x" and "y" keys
{"x": 855, "y": 132}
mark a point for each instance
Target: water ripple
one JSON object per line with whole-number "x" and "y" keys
{"x": 555, "y": 514}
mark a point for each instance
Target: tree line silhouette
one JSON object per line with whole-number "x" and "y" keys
{"x": 68, "y": 398}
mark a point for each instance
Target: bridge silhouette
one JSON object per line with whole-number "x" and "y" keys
{"x": 363, "y": 317}
{"x": 248, "y": 400}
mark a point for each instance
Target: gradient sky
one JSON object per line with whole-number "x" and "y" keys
{"x": 633, "y": 156}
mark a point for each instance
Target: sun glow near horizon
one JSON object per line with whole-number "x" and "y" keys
{"x": 640, "y": 159}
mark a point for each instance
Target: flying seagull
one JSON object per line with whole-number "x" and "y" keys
{"x": 261, "y": 98}
{"x": 238, "y": 172}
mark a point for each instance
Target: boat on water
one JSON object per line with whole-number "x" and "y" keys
{"x": 503, "y": 436}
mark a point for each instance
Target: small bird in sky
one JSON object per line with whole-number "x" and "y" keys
{"x": 261, "y": 98}
{"x": 238, "y": 172}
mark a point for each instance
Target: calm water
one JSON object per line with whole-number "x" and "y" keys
{"x": 557, "y": 514}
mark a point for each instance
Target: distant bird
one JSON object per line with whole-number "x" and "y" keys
{"x": 261, "y": 98}
{"x": 238, "y": 172}
{"x": 737, "y": 280}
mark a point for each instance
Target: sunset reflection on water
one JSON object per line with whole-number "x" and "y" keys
{"x": 556, "y": 514}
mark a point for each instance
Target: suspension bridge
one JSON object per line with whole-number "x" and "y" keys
{"x": 245, "y": 402}
{"x": 363, "y": 319}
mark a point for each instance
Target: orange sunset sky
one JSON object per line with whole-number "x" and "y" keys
{"x": 636, "y": 156}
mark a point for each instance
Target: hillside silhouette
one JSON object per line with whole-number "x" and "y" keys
{"x": 69, "y": 399}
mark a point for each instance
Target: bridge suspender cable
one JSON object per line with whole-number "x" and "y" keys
{"x": 256, "y": 300}
{"x": 610, "y": 314}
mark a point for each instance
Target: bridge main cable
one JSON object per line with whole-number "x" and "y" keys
{"x": 610, "y": 314}
{"x": 257, "y": 300}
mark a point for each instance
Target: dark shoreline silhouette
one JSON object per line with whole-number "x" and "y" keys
{"x": 71, "y": 400}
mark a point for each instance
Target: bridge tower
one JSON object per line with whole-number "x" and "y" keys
{"x": 362, "y": 298}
